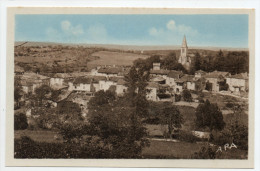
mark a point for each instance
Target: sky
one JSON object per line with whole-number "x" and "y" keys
{"x": 230, "y": 30}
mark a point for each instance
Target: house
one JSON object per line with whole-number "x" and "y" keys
{"x": 238, "y": 82}
{"x": 158, "y": 79}
{"x": 215, "y": 79}
{"x": 81, "y": 84}
{"x": 121, "y": 87}
{"x": 199, "y": 74}
{"x": 106, "y": 84}
{"x": 185, "y": 82}
{"x": 30, "y": 81}
{"x": 172, "y": 76}
{"x": 152, "y": 88}
{"x": 109, "y": 71}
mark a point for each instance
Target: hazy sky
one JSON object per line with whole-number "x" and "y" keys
{"x": 200, "y": 30}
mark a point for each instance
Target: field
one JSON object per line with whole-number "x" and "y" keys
{"x": 114, "y": 58}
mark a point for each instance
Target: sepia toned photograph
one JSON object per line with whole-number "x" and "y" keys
{"x": 124, "y": 84}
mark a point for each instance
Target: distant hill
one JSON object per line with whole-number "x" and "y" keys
{"x": 130, "y": 47}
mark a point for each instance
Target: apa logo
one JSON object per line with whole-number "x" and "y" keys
{"x": 226, "y": 146}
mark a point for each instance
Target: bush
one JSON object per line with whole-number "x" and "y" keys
{"x": 27, "y": 148}
{"x": 205, "y": 153}
{"x": 152, "y": 120}
{"x": 186, "y": 136}
{"x": 236, "y": 133}
{"x": 187, "y": 96}
{"x": 230, "y": 105}
{"x": 177, "y": 98}
{"x": 20, "y": 121}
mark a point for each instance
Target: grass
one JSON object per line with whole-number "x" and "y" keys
{"x": 170, "y": 149}
{"x": 114, "y": 58}
{"x": 221, "y": 100}
{"x": 39, "y": 135}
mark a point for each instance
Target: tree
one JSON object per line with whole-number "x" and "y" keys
{"x": 209, "y": 115}
{"x": 117, "y": 121}
{"x": 43, "y": 93}
{"x": 20, "y": 121}
{"x": 171, "y": 117}
{"x": 187, "y": 95}
{"x": 169, "y": 62}
{"x": 18, "y": 92}
{"x": 18, "y": 95}
{"x": 197, "y": 62}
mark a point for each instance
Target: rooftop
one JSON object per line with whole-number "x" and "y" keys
{"x": 160, "y": 72}
{"x": 174, "y": 74}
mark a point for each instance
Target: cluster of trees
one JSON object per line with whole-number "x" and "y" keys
{"x": 170, "y": 62}
{"x": 234, "y": 62}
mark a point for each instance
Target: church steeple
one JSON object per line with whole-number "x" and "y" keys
{"x": 184, "y": 42}
{"x": 184, "y": 59}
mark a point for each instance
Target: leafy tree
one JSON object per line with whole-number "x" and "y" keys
{"x": 187, "y": 95}
{"x": 101, "y": 98}
{"x": 43, "y": 93}
{"x": 197, "y": 62}
{"x": 209, "y": 115}
{"x": 172, "y": 117}
{"x": 18, "y": 95}
{"x": 170, "y": 61}
{"x": 20, "y": 121}
{"x": 117, "y": 121}
{"x": 18, "y": 92}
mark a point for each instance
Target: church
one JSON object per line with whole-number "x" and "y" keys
{"x": 184, "y": 58}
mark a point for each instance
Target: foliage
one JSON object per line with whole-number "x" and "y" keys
{"x": 186, "y": 136}
{"x": 206, "y": 152}
{"x": 209, "y": 115}
{"x": 235, "y": 133}
{"x": 171, "y": 117}
{"x": 177, "y": 97}
{"x": 234, "y": 62}
{"x": 101, "y": 98}
{"x": 186, "y": 95}
{"x": 42, "y": 93}
{"x": 27, "y": 148}
{"x": 118, "y": 121}
{"x": 20, "y": 121}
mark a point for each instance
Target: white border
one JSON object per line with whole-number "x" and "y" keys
{"x": 116, "y": 3}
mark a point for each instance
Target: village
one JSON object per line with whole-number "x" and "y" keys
{"x": 175, "y": 87}
{"x": 164, "y": 85}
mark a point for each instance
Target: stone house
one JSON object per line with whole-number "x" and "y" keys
{"x": 238, "y": 82}
{"x": 172, "y": 76}
{"x": 121, "y": 87}
{"x": 151, "y": 94}
{"x": 214, "y": 79}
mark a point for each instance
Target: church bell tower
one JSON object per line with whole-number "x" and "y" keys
{"x": 184, "y": 59}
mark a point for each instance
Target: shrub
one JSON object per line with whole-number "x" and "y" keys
{"x": 187, "y": 96}
{"x": 20, "y": 121}
{"x": 27, "y": 148}
{"x": 177, "y": 98}
{"x": 186, "y": 136}
{"x": 206, "y": 152}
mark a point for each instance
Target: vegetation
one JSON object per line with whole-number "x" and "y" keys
{"x": 171, "y": 117}
{"x": 20, "y": 121}
{"x": 208, "y": 115}
{"x": 186, "y": 95}
{"x": 234, "y": 62}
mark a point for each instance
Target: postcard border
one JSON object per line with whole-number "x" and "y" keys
{"x": 177, "y": 163}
